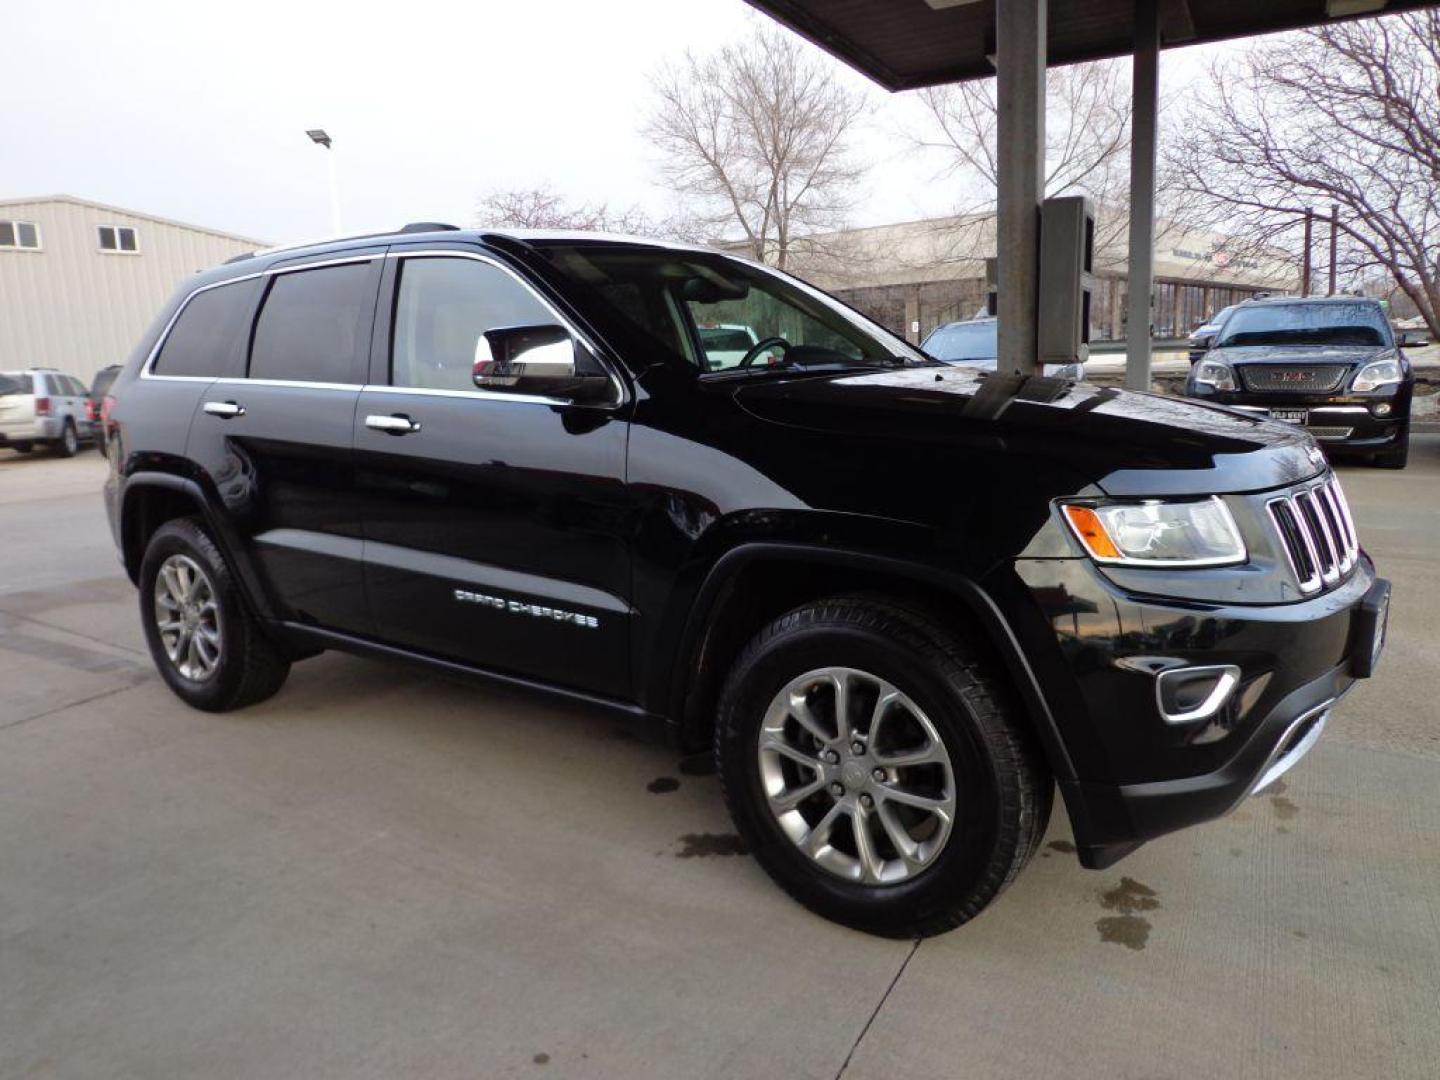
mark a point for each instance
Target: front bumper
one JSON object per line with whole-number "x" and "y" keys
{"x": 1338, "y": 421}
{"x": 1140, "y": 775}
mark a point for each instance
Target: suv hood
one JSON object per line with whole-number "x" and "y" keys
{"x": 1129, "y": 444}
{"x": 1298, "y": 354}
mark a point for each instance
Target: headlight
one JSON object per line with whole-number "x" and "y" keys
{"x": 1376, "y": 374}
{"x": 1214, "y": 373}
{"x": 1155, "y": 533}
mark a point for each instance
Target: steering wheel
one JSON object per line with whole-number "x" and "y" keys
{"x": 759, "y": 347}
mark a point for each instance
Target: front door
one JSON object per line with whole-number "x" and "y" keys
{"x": 496, "y": 524}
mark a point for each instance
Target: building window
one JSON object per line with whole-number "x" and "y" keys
{"x": 20, "y": 234}
{"x": 118, "y": 238}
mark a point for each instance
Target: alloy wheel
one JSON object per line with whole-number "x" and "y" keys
{"x": 856, "y": 775}
{"x": 187, "y": 616}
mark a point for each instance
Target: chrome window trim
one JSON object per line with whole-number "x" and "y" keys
{"x": 482, "y": 395}
{"x": 500, "y": 395}
{"x": 147, "y": 372}
{"x": 147, "y": 368}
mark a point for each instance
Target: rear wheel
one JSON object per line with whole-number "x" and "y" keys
{"x": 207, "y": 646}
{"x": 68, "y": 442}
{"x": 877, "y": 769}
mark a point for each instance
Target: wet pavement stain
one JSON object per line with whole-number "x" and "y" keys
{"x": 1235, "y": 851}
{"x": 1283, "y": 807}
{"x": 705, "y": 844}
{"x": 1301, "y": 934}
{"x": 1065, "y": 847}
{"x": 541, "y": 1059}
{"x": 662, "y": 785}
{"x": 1127, "y": 928}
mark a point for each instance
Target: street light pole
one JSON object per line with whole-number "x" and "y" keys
{"x": 320, "y": 138}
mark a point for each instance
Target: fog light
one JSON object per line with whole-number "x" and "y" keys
{"x": 1382, "y": 409}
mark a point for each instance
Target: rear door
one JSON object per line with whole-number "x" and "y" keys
{"x": 275, "y": 437}
{"x": 497, "y": 525}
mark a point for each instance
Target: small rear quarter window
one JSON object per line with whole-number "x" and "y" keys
{"x": 209, "y": 337}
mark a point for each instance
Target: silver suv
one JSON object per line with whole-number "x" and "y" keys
{"x": 41, "y": 405}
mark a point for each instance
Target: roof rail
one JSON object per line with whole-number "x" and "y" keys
{"x": 429, "y": 226}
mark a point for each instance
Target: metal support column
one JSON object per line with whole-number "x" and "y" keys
{"x": 1020, "y": 93}
{"x": 1145, "y": 106}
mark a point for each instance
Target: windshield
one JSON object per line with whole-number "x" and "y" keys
{"x": 715, "y": 313}
{"x": 1360, "y": 323}
{"x": 14, "y": 382}
{"x": 961, "y": 342}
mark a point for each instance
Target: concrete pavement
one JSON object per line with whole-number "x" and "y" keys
{"x": 381, "y": 874}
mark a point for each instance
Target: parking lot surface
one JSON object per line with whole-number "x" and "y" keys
{"x": 380, "y": 873}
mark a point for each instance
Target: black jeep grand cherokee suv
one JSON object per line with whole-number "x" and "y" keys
{"x": 1330, "y": 365}
{"x": 900, "y": 600}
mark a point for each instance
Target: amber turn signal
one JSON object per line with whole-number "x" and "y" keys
{"x": 1087, "y": 526}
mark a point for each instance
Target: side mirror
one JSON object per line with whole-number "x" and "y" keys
{"x": 541, "y": 360}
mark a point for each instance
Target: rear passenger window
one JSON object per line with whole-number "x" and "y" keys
{"x": 315, "y": 325}
{"x": 208, "y": 339}
{"x": 442, "y": 308}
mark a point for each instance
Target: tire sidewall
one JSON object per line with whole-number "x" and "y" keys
{"x": 69, "y": 441}
{"x": 186, "y": 538}
{"x": 969, "y": 851}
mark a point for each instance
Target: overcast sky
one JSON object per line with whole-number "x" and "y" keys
{"x": 198, "y": 111}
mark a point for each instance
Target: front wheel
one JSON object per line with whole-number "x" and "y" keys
{"x": 1398, "y": 457}
{"x": 207, "y": 646}
{"x": 876, "y": 768}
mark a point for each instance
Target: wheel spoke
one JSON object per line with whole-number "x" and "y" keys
{"x": 888, "y": 696}
{"x": 870, "y": 862}
{"x": 806, "y": 718}
{"x": 172, "y": 584}
{"x": 792, "y": 798}
{"x": 910, "y": 798}
{"x": 819, "y": 834}
{"x": 779, "y": 746}
{"x": 923, "y": 755}
{"x": 841, "y": 682}
{"x": 908, "y": 849}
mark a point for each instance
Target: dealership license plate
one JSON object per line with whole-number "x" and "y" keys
{"x": 1290, "y": 416}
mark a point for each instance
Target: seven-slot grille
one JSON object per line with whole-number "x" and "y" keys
{"x": 1309, "y": 378}
{"x": 1317, "y": 532}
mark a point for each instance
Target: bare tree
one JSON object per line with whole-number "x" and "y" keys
{"x": 757, "y": 134}
{"x": 545, "y": 208}
{"x": 1346, "y": 113}
{"x": 1087, "y": 131}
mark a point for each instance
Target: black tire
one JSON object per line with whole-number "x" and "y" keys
{"x": 1397, "y": 458}
{"x": 250, "y": 668}
{"x": 69, "y": 441}
{"x": 1003, "y": 789}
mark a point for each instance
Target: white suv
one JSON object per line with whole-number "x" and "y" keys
{"x": 40, "y": 405}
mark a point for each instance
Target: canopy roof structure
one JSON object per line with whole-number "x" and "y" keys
{"x": 905, "y": 44}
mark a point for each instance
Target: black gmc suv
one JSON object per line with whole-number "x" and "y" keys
{"x": 1330, "y": 365}
{"x": 901, "y": 600}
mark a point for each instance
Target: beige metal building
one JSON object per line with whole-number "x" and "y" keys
{"x": 917, "y": 275}
{"x": 80, "y": 281}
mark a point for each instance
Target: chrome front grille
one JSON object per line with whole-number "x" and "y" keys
{"x": 1317, "y": 533}
{"x": 1301, "y": 378}
{"x": 1328, "y": 432}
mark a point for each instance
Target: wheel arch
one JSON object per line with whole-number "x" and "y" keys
{"x": 153, "y": 498}
{"x": 735, "y": 600}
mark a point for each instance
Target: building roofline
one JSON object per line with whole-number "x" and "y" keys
{"x": 77, "y": 201}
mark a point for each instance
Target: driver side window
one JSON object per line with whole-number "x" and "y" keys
{"x": 442, "y": 308}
